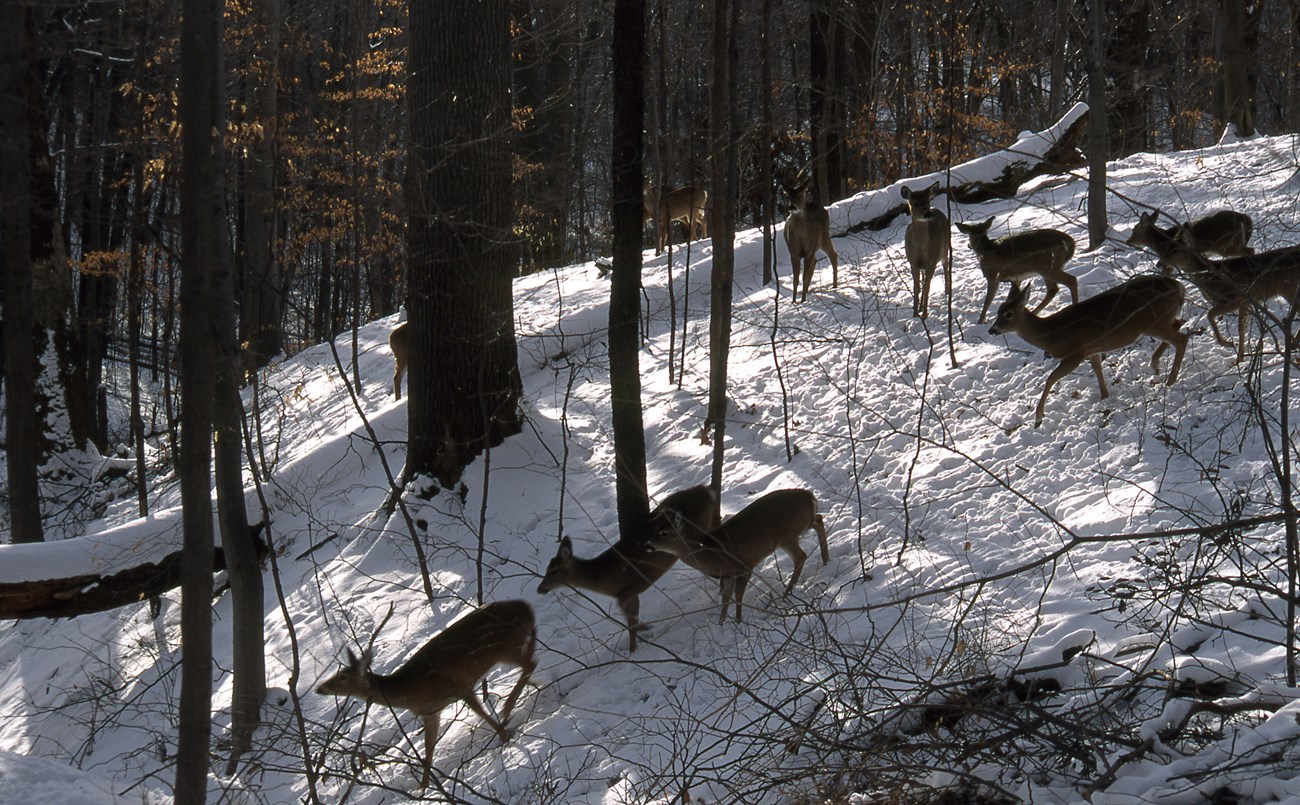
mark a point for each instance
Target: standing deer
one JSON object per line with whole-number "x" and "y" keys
{"x": 927, "y": 241}
{"x": 807, "y": 230}
{"x": 399, "y": 343}
{"x": 1114, "y": 318}
{"x": 731, "y": 551}
{"x": 1229, "y": 285}
{"x": 627, "y": 569}
{"x": 447, "y": 668}
{"x": 1012, "y": 258}
{"x": 685, "y": 204}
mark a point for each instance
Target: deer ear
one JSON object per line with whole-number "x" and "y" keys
{"x": 566, "y": 549}
{"x": 934, "y": 187}
{"x": 905, "y": 192}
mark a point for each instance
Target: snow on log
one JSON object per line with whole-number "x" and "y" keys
{"x": 997, "y": 175}
{"x": 91, "y": 574}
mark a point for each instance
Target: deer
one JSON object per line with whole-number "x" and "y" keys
{"x": 399, "y": 342}
{"x": 1224, "y": 233}
{"x": 1229, "y": 285}
{"x": 1018, "y": 256}
{"x": 1114, "y": 318}
{"x": 807, "y": 230}
{"x": 685, "y": 204}
{"x": 627, "y": 569}
{"x": 927, "y": 241}
{"x": 447, "y": 668}
{"x": 732, "y": 550}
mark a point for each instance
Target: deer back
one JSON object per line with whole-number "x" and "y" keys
{"x": 1223, "y": 232}
{"x": 775, "y": 520}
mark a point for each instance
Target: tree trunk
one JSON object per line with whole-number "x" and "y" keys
{"x": 1236, "y": 107}
{"x": 625, "y": 284}
{"x": 1098, "y": 137}
{"x": 22, "y": 446}
{"x": 723, "y": 159}
{"x": 261, "y": 304}
{"x": 201, "y": 240}
{"x": 464, "y": 372}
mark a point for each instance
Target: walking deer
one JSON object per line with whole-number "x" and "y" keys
{"x": 1231, "y": 284}
{"x": 447, "y": 668}
{"x": 628, "y": 569}
{"x": 807, "y": 230}
{"x": 927, "y": 241}
{"x": 1018, "y": 256}
{"x": 685, "y": 204}
{"x": 399, "y": 343}
{"x": 1116, "y": 317}
{"x": 731, "y": 551}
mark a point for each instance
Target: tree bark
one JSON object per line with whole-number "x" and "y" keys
{"x": 723, "y": 160}
{"x": 464, "y": 372}
{"x": 1236, "y": 108}
{"x": 22, "y": 447}
{"x": 1098, "y": 136}
{"x": 625, "y": 284}
{"x": 201, "y": 241}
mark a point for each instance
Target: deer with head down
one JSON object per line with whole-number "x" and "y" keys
{"x": 627, "y": 569}
{"x": 1224, "y": 233}
{"x": 685, "y": 204}
{"x": 807, "y": 230}
{"x": 926, "y": 241}
{"x": 399, "y": 343}
{"x": 732, "y": 550}
{"x": 1020, "y": 255}
{"x": 1114, "y": 318}
{"x": 447, "y": 668}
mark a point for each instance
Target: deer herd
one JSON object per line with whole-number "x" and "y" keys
{"x": 686, "y": 524}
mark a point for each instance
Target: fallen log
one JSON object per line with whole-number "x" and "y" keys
{"x": 132, "y": 571}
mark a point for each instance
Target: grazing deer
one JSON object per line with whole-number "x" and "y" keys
{"x": 807, "y": 230}
{"x": 447, "y": 668}
{"x": 627, "y": 569}
{"x": 685, "y": 204}
{"x": 399, "y": 342}
{"x": 1229, "y": 285}
{"x": 1224, "y": 233}
{"x": 1012, "y": 258}
{"x": 1114, "y": 318}
{"x": 927, "y": 241}
{"x": 731, "y": 551}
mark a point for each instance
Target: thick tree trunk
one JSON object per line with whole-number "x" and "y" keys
{"x": 625, "y": 284}
{"x": 201, "y": 241}
{"x": 1236, "y": 108}
{"x": 464, "y": 372}
{"x": 22, "y": 441}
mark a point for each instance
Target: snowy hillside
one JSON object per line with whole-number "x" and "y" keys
{"x": 965, "y": 545}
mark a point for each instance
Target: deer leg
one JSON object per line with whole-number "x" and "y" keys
{"x": 526, "y": 669}
{"x": 799, "y": 556}
{"x": 1068, "y": 365}
{"x": 1052, "y": 289}
{"x": 809, "y": 267}
{"x": 988, "y": 299}
{"x": 1180, "y": 346}
{"x": 1095, "y": 360}
{"x": 916, "y": 291}
{"x": 1241, "y": 333}
{"x": 1213, "y": 316}
{"x": 829, "y": 248}
{"x": 740, "y": 583}
{"x": 473, "y": 703}
{"x": 430, "y": 740}
{"x": 820, "y": 525}
{"x": 726, "y": 586}
{"x": 397, "y": 381}
{"x": 631, "y": 607}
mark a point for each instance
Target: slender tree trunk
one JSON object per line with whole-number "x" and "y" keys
{"x": 1098, "y": 137}
{"x": 1236, "y": 108}
{"x": 22, "y": 445}
{"x": 625, "y": 284}
{"x": 201, "y": 241}
{"x": 722, "y": 148}
{"x": 464, "y": 367}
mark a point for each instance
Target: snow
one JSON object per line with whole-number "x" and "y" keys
{"x": 930, "y": 477}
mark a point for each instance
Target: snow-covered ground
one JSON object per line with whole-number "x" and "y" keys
{"x": 965, "y": 545}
